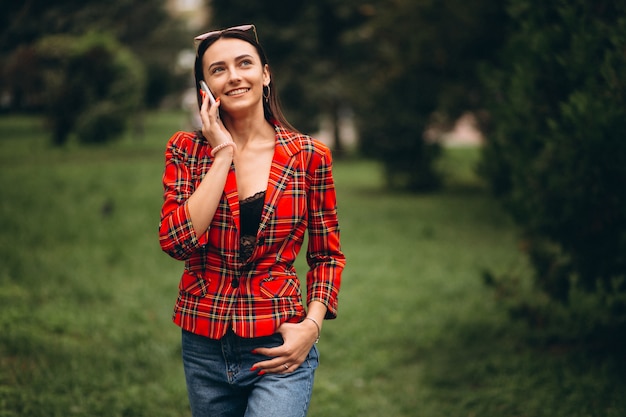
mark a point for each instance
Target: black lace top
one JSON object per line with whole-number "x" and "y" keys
{"x": 251, "y": 209}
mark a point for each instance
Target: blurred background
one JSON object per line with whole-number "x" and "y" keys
{"x": 332, "y": 60}
{"x": 480, "y": 160}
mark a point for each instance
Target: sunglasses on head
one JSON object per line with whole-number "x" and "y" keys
{"x": 242, "y": 28}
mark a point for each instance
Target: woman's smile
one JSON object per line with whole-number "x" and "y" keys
{"x": 237, "y": 92}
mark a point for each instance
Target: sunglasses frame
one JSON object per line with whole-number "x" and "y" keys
{"x": 240, "y": 28}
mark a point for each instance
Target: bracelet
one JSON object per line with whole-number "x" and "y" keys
{"x": 221, "y": 146}
{"x": 319, "y": 331}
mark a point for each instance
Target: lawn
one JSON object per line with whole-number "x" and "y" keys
{"x": 86, "y": 295}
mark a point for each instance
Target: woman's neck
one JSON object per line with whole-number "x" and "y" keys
{"x": 245, "y": 130}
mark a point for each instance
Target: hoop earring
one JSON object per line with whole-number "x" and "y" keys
{"x": 266, "y": 97}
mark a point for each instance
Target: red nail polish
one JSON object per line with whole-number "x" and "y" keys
{"x": 254, "y": 351}
{"x": 253, "y": 369}
{"x": 261, "y": 373}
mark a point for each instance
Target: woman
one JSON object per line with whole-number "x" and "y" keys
{"x": 239, "y": 197}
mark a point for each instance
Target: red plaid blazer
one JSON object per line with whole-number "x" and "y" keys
{"x": 300, "y": 196}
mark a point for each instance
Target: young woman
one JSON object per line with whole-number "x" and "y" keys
{"x": 239, "y": 197}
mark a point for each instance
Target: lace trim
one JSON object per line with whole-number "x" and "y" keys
{"x": 254, "y": 207}
{"x": 252, "y": 197}
{"x": 246, "y": 246}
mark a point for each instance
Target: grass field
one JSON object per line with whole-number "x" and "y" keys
{"x": 86, "y": 296}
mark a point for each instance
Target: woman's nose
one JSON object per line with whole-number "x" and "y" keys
{"x": 234, "y": 75}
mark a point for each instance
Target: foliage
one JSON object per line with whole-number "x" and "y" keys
{"x": 145, "y": 27}
{"x": 421, "y": 60}
{"x": 92, "y": 86}
{"x": 87, "y": 296}
{"x": 556, "y": 154}
{"x": 394, "y": 63}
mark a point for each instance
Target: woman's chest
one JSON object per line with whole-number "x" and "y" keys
{"x": 252, "y": 173}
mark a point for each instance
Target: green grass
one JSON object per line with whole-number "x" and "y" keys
{"x": 86, "y": 295}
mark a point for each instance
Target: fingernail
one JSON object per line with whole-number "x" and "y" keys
{"x": 253, "y": 369}
{"x": 261, "y": 373}
{"x": 254, "y": 351}
{"x": 217, "y": 99}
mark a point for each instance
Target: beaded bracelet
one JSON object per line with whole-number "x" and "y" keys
{"x": 319, "y": 331}
{"x": 221, "y": 146}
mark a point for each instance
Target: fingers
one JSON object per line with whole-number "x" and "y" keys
{"x": 204, "y": 114}
{"x": 291, "y": 354}
{"x": 282, "y": 362}
{"x": 212, "y": 111}
{"x": 275, "y": 367}
{"x": 212, "y": 127}
{"x": 285, "y": 368}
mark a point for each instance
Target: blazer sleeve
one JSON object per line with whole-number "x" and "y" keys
{"x": 324, "y": 255}
{"x": 176, "y": 233}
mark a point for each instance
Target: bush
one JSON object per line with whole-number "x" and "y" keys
{"x": 92, "y": 86}
{"x": 556, "y": 153}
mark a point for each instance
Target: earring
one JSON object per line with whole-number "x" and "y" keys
{"x": 266, "y": 96}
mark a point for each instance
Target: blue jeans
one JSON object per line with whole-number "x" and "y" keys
{"x": 220, "y": 383}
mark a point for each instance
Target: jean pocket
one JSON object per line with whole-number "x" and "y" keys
{"x": 313, "y": 358}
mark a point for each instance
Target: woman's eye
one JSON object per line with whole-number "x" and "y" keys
{"x": 216, "y": 70}
{"x": 246, "y": 62}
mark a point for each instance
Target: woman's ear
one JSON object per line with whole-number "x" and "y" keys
{"x": 267, "y": 78}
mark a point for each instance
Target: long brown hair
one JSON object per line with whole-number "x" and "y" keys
{"x": 271, "y": 106}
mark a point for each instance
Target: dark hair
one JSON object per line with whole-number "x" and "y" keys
{"x": 271, "y": 107}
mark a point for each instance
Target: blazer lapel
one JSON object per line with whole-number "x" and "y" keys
{"x": 283, "y": 166}
{"x": 230, "y": 190}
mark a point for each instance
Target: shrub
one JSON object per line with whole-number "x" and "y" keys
{"x": 92, "y": 86}
{"x": 556, "y": 154}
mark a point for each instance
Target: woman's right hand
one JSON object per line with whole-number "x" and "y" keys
{"x": 203, "y": 203}
{"x": 212, "y": 127}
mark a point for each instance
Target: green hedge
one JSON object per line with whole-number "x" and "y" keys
{"x": 556, "y": 153}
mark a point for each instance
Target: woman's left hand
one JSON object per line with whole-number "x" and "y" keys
{"x": 298, "y": 340}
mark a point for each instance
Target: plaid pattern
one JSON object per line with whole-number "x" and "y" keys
{"x": 300, "y": 196}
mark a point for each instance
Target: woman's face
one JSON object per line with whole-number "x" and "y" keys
{"x": 234, "y": 72}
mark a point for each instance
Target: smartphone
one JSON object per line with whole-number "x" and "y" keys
{"x": 205, "y": 88}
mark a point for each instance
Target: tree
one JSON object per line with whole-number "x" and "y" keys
{"x": 144, "y": 27}
{"x": 394, "y": 62}
{"x": 92, "y": 86}
{"x": 556, "y": 154}
{"x": 422, "y": 61}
